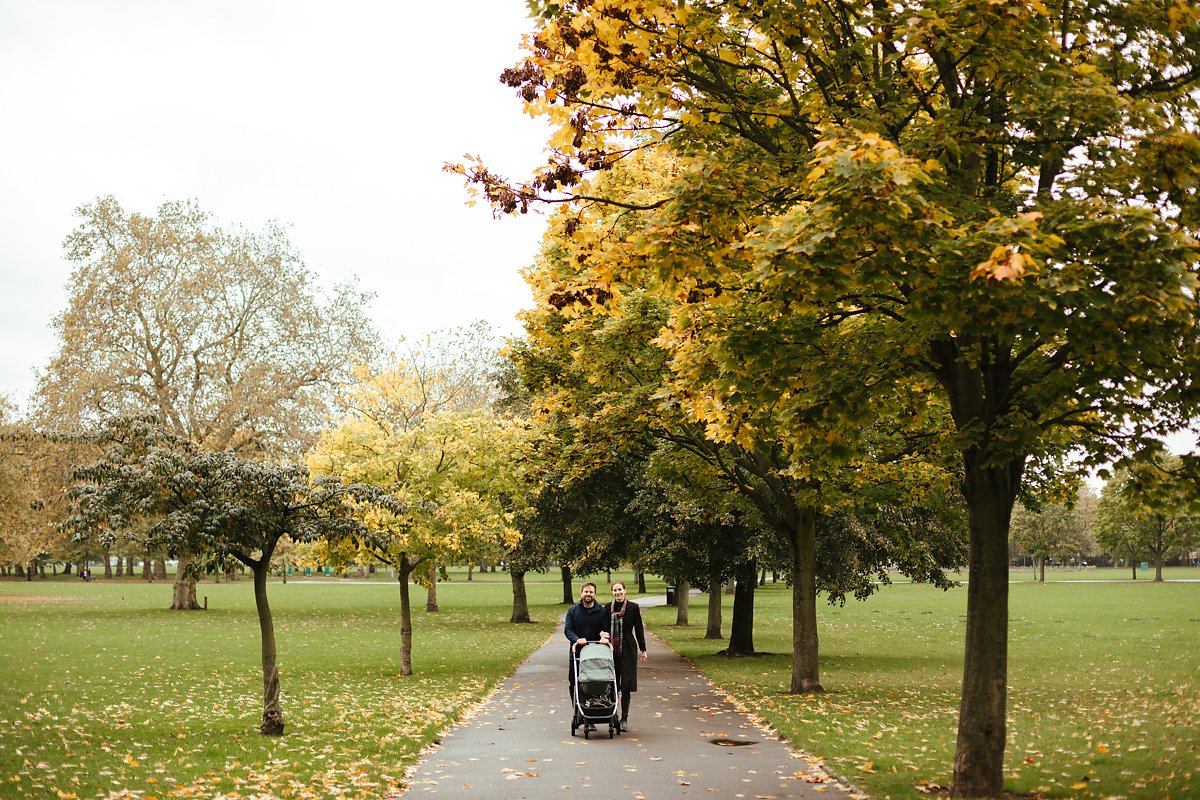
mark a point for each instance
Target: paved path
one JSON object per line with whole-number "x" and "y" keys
{"x": 518, "y": 746}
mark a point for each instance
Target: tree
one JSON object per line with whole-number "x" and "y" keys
{"x": 220, "y": 333}
{"x": 1002, "y": 193}
{"x": 193, "y": 501}
{"x": 598, "y": 356}
{"x": 1148, "y": 510}
{"x": 418, "y": 435}
{"x": 694, "y": 531}
{"x": 34, "y": 477}
{"x": 1055, "y": 530}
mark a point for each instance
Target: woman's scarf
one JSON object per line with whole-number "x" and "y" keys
{"x": 616, "y": 628}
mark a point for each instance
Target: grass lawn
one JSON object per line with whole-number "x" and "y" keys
{"x": 1104, "y": 684}
{"x": 105, "y": 693}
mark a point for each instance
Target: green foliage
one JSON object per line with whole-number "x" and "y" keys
{"x": 968, "y": 223}
{"x": 1149, "y": 510}
{"x": 186, "y": 501}
{"x": 1055, "y": 530}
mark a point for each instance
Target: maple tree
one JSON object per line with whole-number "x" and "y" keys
{"x": 219, "y": 332}
{"x": 187, "y": 500}
{"x": 999, "y": 193}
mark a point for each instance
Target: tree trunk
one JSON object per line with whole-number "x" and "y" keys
{"x": 1133, "y": 565}
{"x": 806, "y": 663}
{"x": 762, "y": 578}
{"x": 1042, "y": 569}
{"x": 714, "y": 610}
{"x": 108, "y": 571}
{"x": 67, "y": 568}
{"x": 520, "y": 611}
{"x": 272, "y": 718}
{"x": 403, "y": 571}
{"x": 1158, "y": 568}
{"x": 568, "y": 594}
{"x": 682, "y": 596}
{"x": 129, "y": 562}
{"x": 147, "y": 570}
{"x": 641, "y": 581}
{"x": 431, "y": 603}
{"x": 184, "y": 590}
{"x": 160, "y": 568}
{"x": 979, "y": 757}
{"x": 470, "y": 572}
{"x": 741, "y": 628}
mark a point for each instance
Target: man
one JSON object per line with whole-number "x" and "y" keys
{"x": 586, "y": 621}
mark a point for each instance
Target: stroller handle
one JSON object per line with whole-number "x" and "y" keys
{"x": 581, "y": 642}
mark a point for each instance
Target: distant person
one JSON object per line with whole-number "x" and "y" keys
{"x": 586, "y": 621}
{"x": 628, "y": 637}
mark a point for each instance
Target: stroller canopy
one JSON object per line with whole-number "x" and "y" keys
{"x": 596, "y": 664}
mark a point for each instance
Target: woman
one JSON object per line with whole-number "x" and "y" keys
{"x": 628, "y": 638}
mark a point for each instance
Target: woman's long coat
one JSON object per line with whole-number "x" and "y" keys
{"x": 633, "y": 642}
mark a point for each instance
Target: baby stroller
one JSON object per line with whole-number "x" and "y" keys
{"x": 595, "y": 690}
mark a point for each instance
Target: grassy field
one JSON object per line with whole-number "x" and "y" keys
{"x": 1104, "y": 684}
{"x": 105, "y": 693}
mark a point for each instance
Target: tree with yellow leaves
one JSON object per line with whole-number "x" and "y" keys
{"x": 455, "y": 466}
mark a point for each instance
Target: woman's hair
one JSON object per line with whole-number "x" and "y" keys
{"x": 614, "y": 584}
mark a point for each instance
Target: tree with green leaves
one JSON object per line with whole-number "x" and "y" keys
{"x": 596, "y": 363}
{"x": 1001, "y": 195}
{"x": 187, "y": 500}
{"x": 1053, "y": 530}
{"x": 1147, "y": 511}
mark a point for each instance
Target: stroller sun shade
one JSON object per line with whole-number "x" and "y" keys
{"x": 596, "y": 664}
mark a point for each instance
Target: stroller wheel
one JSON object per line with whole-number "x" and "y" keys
{"x": 610, "y": 731}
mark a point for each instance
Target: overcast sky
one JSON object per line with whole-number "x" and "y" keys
{"x": 331, "y": 118}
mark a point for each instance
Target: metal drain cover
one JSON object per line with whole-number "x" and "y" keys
{"x": 731, "y": 742}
